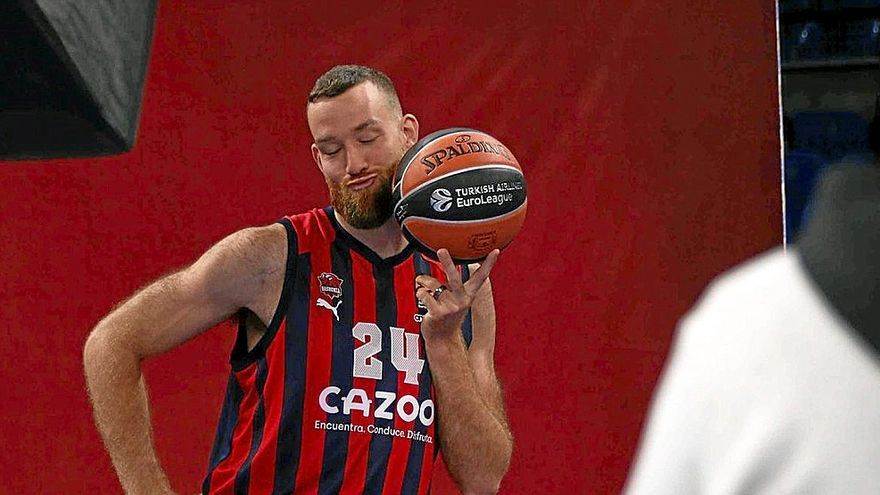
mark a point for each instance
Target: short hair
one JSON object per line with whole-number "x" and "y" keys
{"x": 341, "y": 78}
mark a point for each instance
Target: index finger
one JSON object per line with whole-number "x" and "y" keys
{"x": 453, "y": 278}
{"x": 479, "y": 277}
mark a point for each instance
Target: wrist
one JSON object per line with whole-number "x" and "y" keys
{"x": 442, "y": 342}
{"x": 444, "y": 348}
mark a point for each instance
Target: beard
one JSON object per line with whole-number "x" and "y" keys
{"x": 366, "y": 209}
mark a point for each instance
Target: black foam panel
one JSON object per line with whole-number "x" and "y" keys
{"x": 72, "y": 76}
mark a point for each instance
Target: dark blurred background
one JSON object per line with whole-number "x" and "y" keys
{"x": 829, "y": 69}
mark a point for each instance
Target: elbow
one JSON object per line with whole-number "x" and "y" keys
{"x": 488, "y": 490}
{"x": 483, "y": 487}
{"x": 95, "y": 352}
{"x": 103, "y": 353}
{"x": 486, "y": 482}
{"x": 490, "y": 481}
{"x": 93, "y": 348}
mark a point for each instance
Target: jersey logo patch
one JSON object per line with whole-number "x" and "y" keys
{"x": 330, "y": 284}
{"x": 324, "y": 304}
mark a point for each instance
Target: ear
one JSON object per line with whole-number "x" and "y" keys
{"x": 316, "y": 155}
{"x": 410, "y": 129}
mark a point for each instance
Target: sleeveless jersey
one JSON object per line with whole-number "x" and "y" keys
{"x": 336, "y": 397}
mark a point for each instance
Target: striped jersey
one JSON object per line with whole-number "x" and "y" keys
{"x": 336, "y": 397}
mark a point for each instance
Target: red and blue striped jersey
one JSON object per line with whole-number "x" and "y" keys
{"x": 336, "y": 397}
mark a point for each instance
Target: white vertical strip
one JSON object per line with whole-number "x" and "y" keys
{"x": 781, "y": 122}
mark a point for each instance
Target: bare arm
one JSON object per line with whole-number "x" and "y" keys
{"x": 235, "y": 273}
{"x": 475, "y": 440}
{"x": 481, "y": 353}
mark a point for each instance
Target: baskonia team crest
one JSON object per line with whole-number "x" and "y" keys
{"x": 331, "y": 288}
{"x": 330, "y": 284}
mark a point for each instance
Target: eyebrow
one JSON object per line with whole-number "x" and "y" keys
{"x": 363, "y": 125}
{"x": 366, "y": 124}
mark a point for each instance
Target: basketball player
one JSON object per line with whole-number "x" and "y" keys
{"x": 335, "y": 385}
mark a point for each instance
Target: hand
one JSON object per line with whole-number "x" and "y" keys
{"x": 448, "y": 306}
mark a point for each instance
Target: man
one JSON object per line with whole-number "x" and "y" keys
{"x": 334, "y": 382}
{"x": 774, "y": 383}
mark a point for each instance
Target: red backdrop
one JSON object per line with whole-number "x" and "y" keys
{"x": 648, "y": 132}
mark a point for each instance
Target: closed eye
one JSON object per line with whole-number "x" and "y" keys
{"x": 368, "y": 140}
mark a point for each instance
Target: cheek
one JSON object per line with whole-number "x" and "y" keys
{"x": 393, "y": 152}
{"x": 332, "y": 171}
{"x": 376, "y": 156}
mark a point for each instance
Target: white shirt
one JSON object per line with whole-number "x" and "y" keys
{"x": 767, "y": 391}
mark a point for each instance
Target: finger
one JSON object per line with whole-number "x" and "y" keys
{"x": 453, "y": 277}
{"x": 428, "y": 282}
{"x": 478, "y": 278}
{"x": 427, "y": 297}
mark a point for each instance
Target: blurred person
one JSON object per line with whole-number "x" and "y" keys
{"x": 773, "y": 384}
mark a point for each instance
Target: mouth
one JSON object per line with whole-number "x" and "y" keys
{"x": 362, "y": 182}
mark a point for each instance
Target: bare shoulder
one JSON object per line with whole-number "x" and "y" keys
{"x": 246, "y": 263}
{"x": 264, "y": 245}
{"x": 252, "y": 246}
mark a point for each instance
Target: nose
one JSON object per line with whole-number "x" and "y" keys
{"x": 356, "y": 163}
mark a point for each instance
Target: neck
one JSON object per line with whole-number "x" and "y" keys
{"x": 385, "y": 240}
{"x": 839, "y": 246}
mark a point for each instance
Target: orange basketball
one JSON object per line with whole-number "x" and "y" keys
{"x": 459, "y": 189}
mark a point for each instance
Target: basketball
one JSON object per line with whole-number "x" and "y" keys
{"x": 459, "y": 189}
